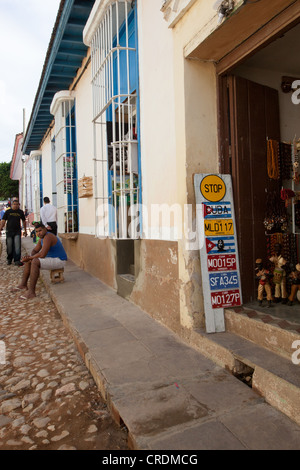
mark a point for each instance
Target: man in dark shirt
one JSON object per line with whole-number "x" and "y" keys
{"x": 12, "y": 218}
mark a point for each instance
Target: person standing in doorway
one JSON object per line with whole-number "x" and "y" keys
{"x": 48, "y": 215}
{"x": 12, "y": 218}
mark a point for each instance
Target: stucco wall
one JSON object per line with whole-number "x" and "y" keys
{"x": 196, "y": 147}
{"x": 157, "y": 285}
{"x": 94, "y": 256}
{"x": 178, "y": 108}
{"x": 157, "y": 111}
{"x": 85, "y": 152}
{"x": 47, "y": 166}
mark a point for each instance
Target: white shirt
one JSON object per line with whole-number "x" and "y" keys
{"x": 48, "y": 214}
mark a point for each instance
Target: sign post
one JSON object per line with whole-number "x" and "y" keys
{"x": 218, "y": 248}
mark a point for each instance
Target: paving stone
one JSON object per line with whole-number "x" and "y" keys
{"x": 60, "y": 436}
{"x": 4, "y": 420}
{"x": 10, "y": 405}
{"x": 41, "y": 422}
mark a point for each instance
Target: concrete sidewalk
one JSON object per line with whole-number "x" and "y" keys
{"x": 168, "y": 395}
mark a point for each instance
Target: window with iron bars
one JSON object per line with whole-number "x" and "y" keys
{"x": 66, "y": 167}
{"x": 115, "y": 113}
{"x": 36, "y": 185}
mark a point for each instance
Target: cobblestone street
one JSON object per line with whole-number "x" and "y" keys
{"x": 48, "y": 399}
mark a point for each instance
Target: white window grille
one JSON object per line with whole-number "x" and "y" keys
{"x": 65, "y": 160}
{"x": 29, "y": 165}
{"x": 35, "y": 157}
{"x": 36, "y": 189}
{"x": 115, "y": 102}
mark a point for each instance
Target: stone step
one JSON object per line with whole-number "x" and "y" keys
{"x": 125, "y": 284}
{"x": 273, "y": 376}
{"x": 132, "y": 269}
{"x": 264, "y": 329}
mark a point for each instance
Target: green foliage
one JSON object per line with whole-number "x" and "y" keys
{"x": 8, "y": 187}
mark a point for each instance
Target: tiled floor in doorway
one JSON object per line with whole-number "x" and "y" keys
{"x": 281, "y": 315}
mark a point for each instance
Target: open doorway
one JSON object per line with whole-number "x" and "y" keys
{"x": 259, "y": 142}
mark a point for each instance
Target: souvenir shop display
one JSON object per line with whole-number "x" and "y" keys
{"x": 282, "y": 224}
{"x": 295, "y": 284}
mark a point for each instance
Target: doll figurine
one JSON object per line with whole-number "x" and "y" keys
{"x": 264, "y": 277}
{"x": 279, "y": 275}
{"x": 295, "y": 284}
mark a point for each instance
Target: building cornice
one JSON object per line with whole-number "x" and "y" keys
{"x": 98, "y": 11}
{"x": 35, "y": 154}
{"x": 174, "y": 10}
{"x": 60, "y": 97}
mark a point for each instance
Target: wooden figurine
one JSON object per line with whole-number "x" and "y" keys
{"x": 279, "y": 274}
{"x": 295, "y": 281}
{"x": 264, "y": 277}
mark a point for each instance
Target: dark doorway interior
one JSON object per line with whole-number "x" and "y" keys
{"x": 249, "y": 115}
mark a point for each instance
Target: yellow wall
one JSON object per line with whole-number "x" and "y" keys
{"x": 47, "y": 166}
{"x": 178, "y": 112}
{"x": 196, "y": 147}
{"x": 157, "y": 106}
{"x": 85, "y": 151}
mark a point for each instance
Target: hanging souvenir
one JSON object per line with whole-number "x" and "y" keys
{"x": 297, "y": 214}
{"x": 296, "y": 172}
{"x": 286, "y": 166}
{"x": 276, "y": 219}
{"x": 296, "y": 164}
{"x": 273, "y": 159}
{"x": 287, "y": 195}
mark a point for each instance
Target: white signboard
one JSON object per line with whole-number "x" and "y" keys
{"x": 218, "y": 248}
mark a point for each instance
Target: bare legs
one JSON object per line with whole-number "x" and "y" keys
{"x": 31, "y": 272}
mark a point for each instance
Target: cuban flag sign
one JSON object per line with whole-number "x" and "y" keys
{"x": 216, "y": 209}
{"x": 220, "y": 245}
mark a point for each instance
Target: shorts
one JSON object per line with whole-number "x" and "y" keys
{"x": 52, "y": 263}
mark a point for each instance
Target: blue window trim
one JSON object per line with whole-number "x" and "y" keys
{"x": 138, "y": 116}
{"x": 41, "y": 182}
{"x": 71, "y": 150}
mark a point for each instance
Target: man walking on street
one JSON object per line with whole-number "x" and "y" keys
{"x": 48, "y": 215}
{"x": 12, "y": 218}
{"x": 48, "y": 254}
